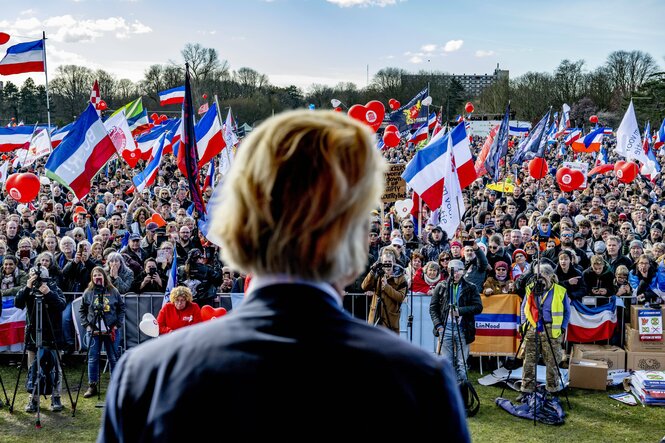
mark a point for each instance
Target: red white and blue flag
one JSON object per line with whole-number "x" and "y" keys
{"x": 173, "y": 278}
{"x": 420, "y": 134}
{"x": 432, "y": 120}
{"x": 209, "y": 136}
{"x": 82, "y": 154}
{"x": 187, "y": 153}
{"x": 12, "y": 325}
{"x": 572, "y": 135}
{"x": 23, "y": 57}
{"x": 172, "y": 96}
{"x": 564, "y": 123}
{"x": 15, "y": 137}
{"x": 147, "y": 177}
{"x": 210, "y": 176}
{"x": 59, "y": 134}
{"x": 660, "y": 137}
{"x": 425, "y": 172}
{"x": 588, "y": 324}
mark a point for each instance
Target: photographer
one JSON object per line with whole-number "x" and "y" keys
{"x": 543, "y": 289}
{"x": 40, "y": 285}
{"x": 455, "y": 302}
{"x": 102, "y": 312}
{"x": 150, "y": 280}
{"x": 201, "y": 279}
{"x": 387, "y": 286}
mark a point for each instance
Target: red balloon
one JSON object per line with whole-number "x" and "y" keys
{"x": 593, "y": 119}
{"x": 391, "y": 139}
{"x": 24, "y": 188}
{"x": 390, "y": 128}
{"x": 209, "y": 313}
{"x": 154, "y": 117}
{"x": 11, "y": 181}
{"x": 338, "y": 109}
{"x": 163, "y": 118}
{"x": 538, "y": 168}
{"x": 394, "y": 104}
{"x": 102, "y": 106}
{"x": 565, "y": 177}
{"x": 626, "y": 171}
{"x": 204, "y": 96}
{"x": 4, "y": 157}
{"x": 371, "y": 114}
{"x": 469, "y": 107}
{"x": 4, "y": 38}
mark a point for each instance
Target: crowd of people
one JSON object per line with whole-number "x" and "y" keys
{"x": 603, "y": 240}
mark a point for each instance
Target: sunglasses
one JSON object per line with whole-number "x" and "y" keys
{"x": 492, "y": 247}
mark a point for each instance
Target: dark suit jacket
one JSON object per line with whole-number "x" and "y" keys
{"x": 287, "y": 361}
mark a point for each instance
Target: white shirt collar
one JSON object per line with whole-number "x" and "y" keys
{"x": 261, "y": 281}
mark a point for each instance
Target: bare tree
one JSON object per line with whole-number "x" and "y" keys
{"x": 569, "y": 81}
{"x": 629, "y": 70}
{"x": 204, "y": 63}
{"x": 72, "y": 84}
{"x": 388, "y": 81}
{"x": 107, "y": 83}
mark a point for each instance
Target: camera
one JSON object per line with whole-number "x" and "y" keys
{"x": 37, "y": 271}
{"x": 152, "y": 271}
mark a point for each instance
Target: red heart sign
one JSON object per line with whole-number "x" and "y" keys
{"x": 577, "y": 179}
{"x": 208, "y": 312}
{"x": 132, "y": 157}
{"x": 371, "y": 114}
{"x": 564, "y": 178}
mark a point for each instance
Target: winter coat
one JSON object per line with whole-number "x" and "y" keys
{"x": 111, "y": 308}
{"x": 469, "y": 304}
{"x": 475, "y": 270}
{"x": 123, "y": 282}
{"x": 53, "y": 304}
{"x": 577, "y": 291}
{"x": 392, "y": 295}
{"x": 604, "y": 281}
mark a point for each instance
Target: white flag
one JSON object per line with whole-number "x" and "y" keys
{"x": 3, "y": 171}
{"x": 229, "y": 135}
{"x": 629, "y": 141}
{"x": 452, "y": 203}
{"x": 119, "y": 133}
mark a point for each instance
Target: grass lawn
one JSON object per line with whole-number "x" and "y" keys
{"x": 594, "y": 418}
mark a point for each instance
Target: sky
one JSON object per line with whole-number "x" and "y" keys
{"x": 305, "y": 42}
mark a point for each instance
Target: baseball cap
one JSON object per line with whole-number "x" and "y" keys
{"x": 578, "y": 235}
{"x": 152, "y": 226}
{"x": 135, "y": 236}
{"x": 456, "y": 265}
{"x": 436, "y": 228}
{"x": 455, "y": 243}
{"x": 397, "y": 241}
{"x": 623, "y": 216}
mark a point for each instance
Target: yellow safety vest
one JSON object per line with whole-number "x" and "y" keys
{"x": 556, "y": 309}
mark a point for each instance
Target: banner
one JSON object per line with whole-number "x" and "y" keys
{"x": 12, "y": 326}
{"x": 496, "y": 327}
{"x": 411, "y": 115}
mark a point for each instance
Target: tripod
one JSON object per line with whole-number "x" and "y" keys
{"x": 37, "y": 314}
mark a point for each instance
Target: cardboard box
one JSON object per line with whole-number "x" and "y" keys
{"x": 633, "y": 315}
{"x": 634, "y": 344}
{"x": 588, "y": 374}
{"x": 645, "y": 361}
{"x": 614, "y": 356}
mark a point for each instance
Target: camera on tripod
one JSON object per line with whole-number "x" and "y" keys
{"x": 41, "y": 274}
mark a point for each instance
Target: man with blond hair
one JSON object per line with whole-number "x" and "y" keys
{"x": 294, "y": 212}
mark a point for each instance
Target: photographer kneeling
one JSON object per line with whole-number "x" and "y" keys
{"x": 39, "y": 285}
{"x": 387, "y": 284}
{"x": 555, "y": 310}
{"x": 453, "y": 307}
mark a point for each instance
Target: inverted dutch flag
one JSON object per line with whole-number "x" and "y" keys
{"x": 588, "y": 324}
{"x": 431, "y": 121}
{"x": 573, "y": 135}
{"x": 420, "y": 134}
{"x": 15, "y": 137}
{"x": 210, "y": 176}
{"x": 209, "y": 136}
{"x": 425, "y": 173}
{"x": 590, "y": 142}
{"x": 564, "y": 123}
{"x": 607, "y": 131}
{"x": 24, "y": 57}
{"x": 82, "y": 154}
{"x": 59, "y": 134}
{"x": 12, "y": 323}
{"x": 147, "y": 176}
{"x": 173, "y": 278}
{"x": 148, "y": 142}
{"x": 172, "y": 96}
{"x": 660, "y": 137}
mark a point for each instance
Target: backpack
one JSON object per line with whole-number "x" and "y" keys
{"x": 470, "y": 398}
{"x": 48, "y": 375}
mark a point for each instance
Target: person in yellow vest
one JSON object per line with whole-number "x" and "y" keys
{"x": 553, "y": 318}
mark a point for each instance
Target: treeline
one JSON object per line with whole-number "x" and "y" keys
{"x": 603, "y": 91}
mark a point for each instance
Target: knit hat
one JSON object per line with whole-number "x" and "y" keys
{"x": 455, "y": 243}
{"x": 518, "y": 251}
{"x": 501, "y": 264}
{"x": 456, "y": 265}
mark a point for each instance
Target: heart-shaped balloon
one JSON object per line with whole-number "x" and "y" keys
{"x": 626, "y": 171}
{"x": 132, "y": 157}
{"x": 371, "y": 114}
{"x": 404, "y": 207}
{"x": 149, "y": 325}
{"x": 576, "y": 179}
{"x": 564, "y": 177}
{"x": 208, "y": 312}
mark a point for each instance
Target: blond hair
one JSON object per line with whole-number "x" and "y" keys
{"x": 181, "y": 291}
{"x": 298, "y": 197}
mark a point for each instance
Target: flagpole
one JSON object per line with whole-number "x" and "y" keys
{"x": 505, "y": 162}
{"x": 48, "y": 103}
{"x": 221, "y": 125}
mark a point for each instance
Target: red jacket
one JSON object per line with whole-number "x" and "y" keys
{"x": 170, "y": 319}
{"x": 420, "y": 285}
